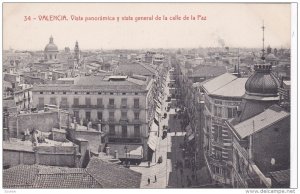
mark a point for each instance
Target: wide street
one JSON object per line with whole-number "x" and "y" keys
{"x": 168, "y": 174}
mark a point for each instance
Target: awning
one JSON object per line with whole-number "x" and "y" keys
{"x": 154, "y": 127}
{"x": 158, "y": 110}
{"x": 152, "y": 141}
{"x": 191, "y": 137}
{"x": 153, "y": 138}
{"x": 133, "y": 151}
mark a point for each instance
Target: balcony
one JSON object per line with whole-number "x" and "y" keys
{"x": 120, "y": 139}
{"x": 111, "y": 106}
{"x": 124, "y": 106}
{"x": 84, "y": 106}
{"x": 136, "y": 106}
{"x": 64, "y": 106}
{"x": 124, "y": 120}
{"x": 111, "y": 120}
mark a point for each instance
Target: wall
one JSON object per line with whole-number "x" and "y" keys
{"x": 41, "y": 121}
{"x": 273, "y": 142}
{"x": 52, "y": 156}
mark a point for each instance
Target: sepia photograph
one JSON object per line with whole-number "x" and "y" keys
{"x": 149, "y": 96}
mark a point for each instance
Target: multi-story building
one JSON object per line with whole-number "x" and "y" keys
{"x": 122, "y": 105}
{"x": 261, "y": 134}
{"x": 222, "y": 96}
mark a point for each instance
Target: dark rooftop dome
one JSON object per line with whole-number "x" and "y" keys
{"x": 51, "y": 47}
{"x": 262, "y": 82}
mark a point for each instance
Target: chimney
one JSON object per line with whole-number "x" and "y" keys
{"x": 75, "y": 126}
{"x": 74, "y": 119}
{"x": 99, "y": 127}
{"x": 107, "y": 150}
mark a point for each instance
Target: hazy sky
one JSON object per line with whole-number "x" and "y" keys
{"x": 237, "y": 25}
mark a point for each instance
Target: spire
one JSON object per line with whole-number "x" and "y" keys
{"x": 51, "y": 39}
{"x": 263, "y": 39}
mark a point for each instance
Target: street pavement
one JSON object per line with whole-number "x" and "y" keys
{"x": 167, "y": 173}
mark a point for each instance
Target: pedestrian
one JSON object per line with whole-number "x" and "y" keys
{"x": 149, "y": 164}
{"x": 155, "y": 180}
{"x": 148, "y": 181}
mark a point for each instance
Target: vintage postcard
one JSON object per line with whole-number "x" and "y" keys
{"x": 149, "y": 95}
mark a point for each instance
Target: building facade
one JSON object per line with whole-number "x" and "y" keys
{"x": 122, "y": 105}
{"x": 222, "y": 96}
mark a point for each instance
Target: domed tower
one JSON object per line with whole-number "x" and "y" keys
{"x": 51, "y": 50}
{"x": 261, "y": 90}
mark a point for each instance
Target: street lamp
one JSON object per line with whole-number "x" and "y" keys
{"x": 126, "y": 149}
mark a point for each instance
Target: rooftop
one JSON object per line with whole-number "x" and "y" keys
{"x": 98, "y": 83}
{"x": 226, "y": 85}
{"x": 261, "y": 121}
{"x": 208, "y": 71}
{"x": 112, "y": 175}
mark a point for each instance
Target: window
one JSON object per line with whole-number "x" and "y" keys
{"x": 123, "y": 115}
{"x": 41, "y": 92}
{"x": 217, "y": 133}
{"x": 123, "y": 93}
{"x": 88, "y": 101}
{"x": 88, "y": 116}
{"x": 231, "y": 112}
{"x": 218, "y": 111}
{"x": 136, "y": 93}
{"x": 218, "y": 153}
{"x": 124, "y": 102}
{"x": 111, "y": 115}
{"x": 76, "y": 101}
{"x": 124, "y": 131}
{"x": 99, "y": 93}
{"x": 112, "y": 130}
{"x": 76, "y": 92}
{"x": 218, "y": 170}
{"x": 64, "y": 101}
{"x": 41, "y": 101}
{"x": 53, "y": 101}
{"x": 99, "y": 101}
{"x": 76, "y": 115}
{"x": 137, "y": 131}
{"x": 136, "y": 115}
{"x": 64, "y": 93}
{"x": 111, "y": 93}
{"x": 99, "y": 115}
{"x": 52, "y": 92}
{"x": 111, "y": 102}
{"x": 136, "y": 103}
{"x": 88, "y": 93}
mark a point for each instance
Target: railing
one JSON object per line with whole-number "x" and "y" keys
{"x": 124, "y": 106}
{"x": 87, "y": 106}
{"x": 111, "y": 106}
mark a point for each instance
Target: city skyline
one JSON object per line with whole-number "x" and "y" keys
{"x": 240, "y": 26}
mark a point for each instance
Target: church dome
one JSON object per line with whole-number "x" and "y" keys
{"x": 51, "y": 47}
{"x": 271, "y": 57}
{"x": 262, "y": 82}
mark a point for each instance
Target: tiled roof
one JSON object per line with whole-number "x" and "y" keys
{"x": 61, "y": 177}
{"x": 21, "y": 176}
{"x": 135, "y": 68}
{"x": 37, "y": 176}
{"x": 257, "y": 123}
{"x": 208, "y": 70}
{"x": 112, "y": 175}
